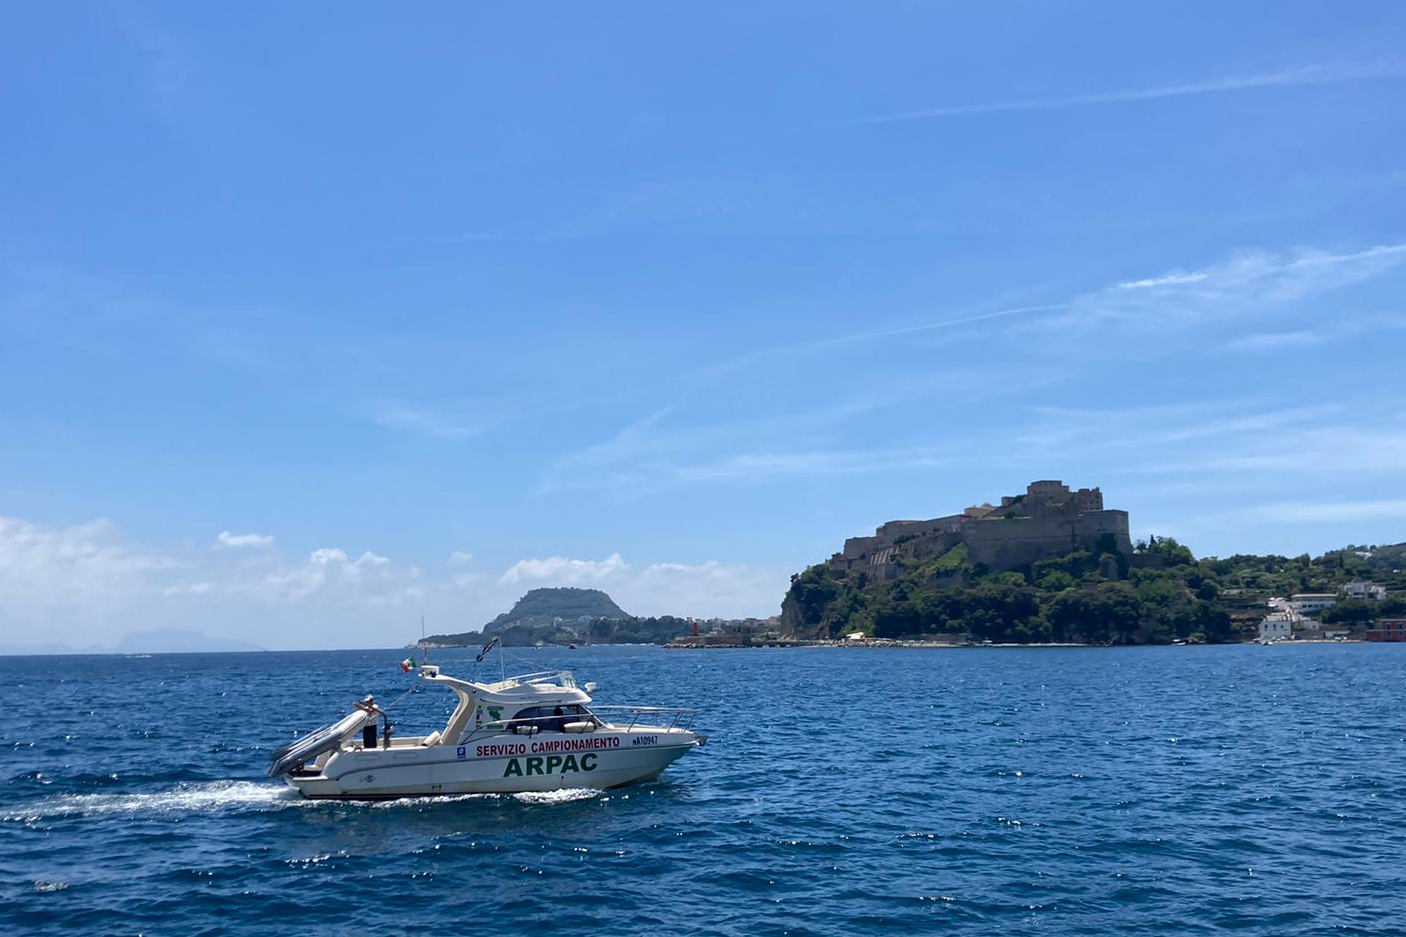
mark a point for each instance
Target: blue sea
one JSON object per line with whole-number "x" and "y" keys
{"x": 1175, "y": 790}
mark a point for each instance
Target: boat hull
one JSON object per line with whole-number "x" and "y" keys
{"x": 497, "y": 765}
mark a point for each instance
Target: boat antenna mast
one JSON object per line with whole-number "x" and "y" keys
{"x": 498, "y": 640}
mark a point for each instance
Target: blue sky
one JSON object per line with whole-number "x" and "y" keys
{"x": 423, "y": 307}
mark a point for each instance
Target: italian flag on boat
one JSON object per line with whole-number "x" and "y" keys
{"x": 407, "y": 665}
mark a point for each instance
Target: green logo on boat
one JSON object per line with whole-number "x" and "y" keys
{"x": 550, "y": 764}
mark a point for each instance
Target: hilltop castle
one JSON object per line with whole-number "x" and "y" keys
{"x": 1048, "y": 519}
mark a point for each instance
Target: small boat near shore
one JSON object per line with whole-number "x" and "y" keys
{"x": 534, "y": 732}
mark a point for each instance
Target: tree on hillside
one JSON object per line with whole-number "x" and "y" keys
{"x": 1166, "y": 547}
{"x": 1082, "y": 596}
{"x": 1108, "y": 613}
{"x": 813, "y": 590}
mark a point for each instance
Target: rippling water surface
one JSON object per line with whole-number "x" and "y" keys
{"x": 844, "y": 791}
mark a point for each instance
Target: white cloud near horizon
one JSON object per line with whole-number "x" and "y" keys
{"x": 85, "y": 569}
{"x": 236, "y": 541}
{"x": 1309, "y": 75}
{"x": 88, "y": 585}
{"x": 703, "y": 590}
{"x": 562, "y": 568}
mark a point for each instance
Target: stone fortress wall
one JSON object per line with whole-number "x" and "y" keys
{"x": 1049, "y": 518}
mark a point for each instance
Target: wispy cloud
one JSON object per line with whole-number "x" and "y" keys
{"x": 1106, "y": 431}
{"x": 1249, "y": 281}
{"x": 803, "y": 400}
{"x": 767, "y": 466}
{"x": 921, "y": 327}
{"x": 443, "y": 423}
{"x": 648, "y": 455}
{"x": 1310, "y": 75}
{"x": 1306, "y": 338}
{"x": 1368, "y": 447}
{"x": 1171, "y": 279}
{"x": 227, "y": 539}
{"x": 1275, "y": 341}
{"x": 1333, "y": 511}
{"x": 1245, "y": 286}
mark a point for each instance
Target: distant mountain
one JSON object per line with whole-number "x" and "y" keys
{"x": 552, "y": 616}
{"x": 176, "y": 641}
{"x": 546, "y": 606}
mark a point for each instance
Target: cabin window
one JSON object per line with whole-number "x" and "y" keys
{"x": 548, "y": 718}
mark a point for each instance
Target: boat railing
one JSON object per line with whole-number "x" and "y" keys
{"x": 664, "y": 717}
{"x": 555, "y": 677}
{"x": 598, "y": 717}
{"x": 534, "y": 725}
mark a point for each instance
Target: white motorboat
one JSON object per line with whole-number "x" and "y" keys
{"x": 535, "y": 732}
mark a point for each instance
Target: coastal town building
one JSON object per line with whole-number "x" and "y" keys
{"x": 1049, "y": 518}
{"x": 1277, "y": 626}
{"x": 1292, "y": 618}
{"x": 1308, "y": 629}
{"x": 1371, "y": 591}
{"x": 1308, "y": 603}
{"x": 1387, "y": 629}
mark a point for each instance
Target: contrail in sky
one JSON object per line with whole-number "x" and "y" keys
{"x": 927, "y": 327}
{"x": 1312, "y": 75}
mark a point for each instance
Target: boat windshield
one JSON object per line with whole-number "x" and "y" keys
{"x": 549, "y": 718}
{"x": 531, "y": 720}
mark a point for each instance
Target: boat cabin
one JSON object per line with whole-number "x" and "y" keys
{"x": 540, "y": 702}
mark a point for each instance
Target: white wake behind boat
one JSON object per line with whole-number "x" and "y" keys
{"x": 535, "y": 732}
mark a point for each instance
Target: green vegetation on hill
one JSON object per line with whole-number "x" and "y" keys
{"x": 551, "y": 616}
{"x": 1389, "y": 558}
{"x": 660, "y": 630}
{"x": 1159, "y": 593}
{"x": 623, "y": 630}
{"x": 545, "y": 606}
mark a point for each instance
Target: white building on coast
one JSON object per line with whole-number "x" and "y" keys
{"x": 1371, "y": 591}
{"x": 1277, "y": 626}
{"x": 1309, "y": 603}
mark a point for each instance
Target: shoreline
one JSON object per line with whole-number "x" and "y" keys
{"x": 941, "y": 645}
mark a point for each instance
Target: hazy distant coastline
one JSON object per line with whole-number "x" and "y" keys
{"x": 157, "y": 641}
